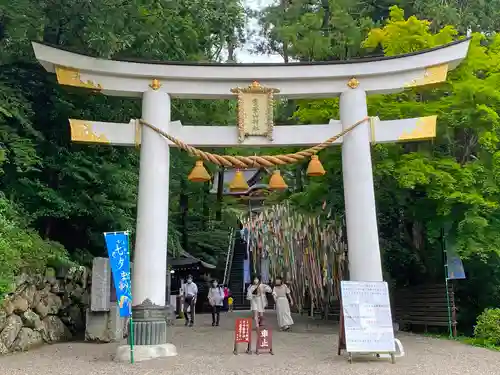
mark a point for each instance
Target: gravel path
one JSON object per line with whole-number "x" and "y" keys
{"x": 206, "y": 350}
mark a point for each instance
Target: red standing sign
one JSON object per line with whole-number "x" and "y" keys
{"x": 264, "y": 341}
{"x": 243, "y": 334}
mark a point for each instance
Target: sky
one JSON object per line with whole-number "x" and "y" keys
{"x": 243, "y": 54}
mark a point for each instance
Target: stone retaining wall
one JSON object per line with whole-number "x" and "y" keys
{"x": 45, "y": 309}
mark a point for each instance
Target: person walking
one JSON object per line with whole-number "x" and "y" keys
{"x": 226, "y": 296}
{"x": 283, "y": 301}
{"x": 216, "y": 300}
{"x": 189, "y": 294}
{"x": 256, "y": 294}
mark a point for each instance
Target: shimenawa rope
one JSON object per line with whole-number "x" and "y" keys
{"x": 243, "y": 162}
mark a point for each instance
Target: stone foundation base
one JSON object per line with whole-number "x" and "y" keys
{"x": 104, "y": 326}
{"x": 150, "y": 324}
{"x": 145, "y": 352}
{"x": 150, "y": 332}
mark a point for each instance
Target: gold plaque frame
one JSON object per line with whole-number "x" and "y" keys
{"x": 253, "y": 92}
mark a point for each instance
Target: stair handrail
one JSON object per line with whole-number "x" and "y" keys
{"x": 229, "y": 257}
{"x": 230, "y": 267}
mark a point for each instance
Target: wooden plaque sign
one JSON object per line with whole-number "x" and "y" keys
{"x": 255, "y": 111}
{"x": 243, "y": 334}
{"x": 264, "y": 341}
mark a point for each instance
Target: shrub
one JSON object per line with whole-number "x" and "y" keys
{"x": 22, "y": 249}
{"x": 487, "y": 328}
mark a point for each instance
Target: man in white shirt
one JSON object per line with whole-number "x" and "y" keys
{"x": 189, "y": 294}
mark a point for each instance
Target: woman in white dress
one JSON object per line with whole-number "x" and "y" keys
{"x": 283, "y": 300}
{"x": 256, "y": 294}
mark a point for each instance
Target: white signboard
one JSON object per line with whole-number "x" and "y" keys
{"x": 367, "y": 317}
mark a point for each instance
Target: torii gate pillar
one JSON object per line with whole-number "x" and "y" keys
{"x": 150, "y": 261}
{"x": 150, "y": 265}
{"x": 150, "y": 257}
{"x": 361, "y": 217}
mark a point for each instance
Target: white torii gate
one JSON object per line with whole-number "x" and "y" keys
{"x": 156, "y": 83}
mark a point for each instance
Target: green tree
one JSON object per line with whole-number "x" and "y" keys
{"x": 333, "y": 29}
{"x": 72, "y": 193}
{"x": 315, "y": 30}
{"x": 448, "y": 182}
{"x": 466, "y": 16}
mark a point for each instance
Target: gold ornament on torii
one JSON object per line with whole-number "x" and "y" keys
{"x": 255, "y": 111}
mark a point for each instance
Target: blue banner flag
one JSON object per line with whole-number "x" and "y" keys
{"x": 455, "y": 266}
{"x": 119, "y": 259}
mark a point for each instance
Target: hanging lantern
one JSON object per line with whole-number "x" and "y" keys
{"x": 276, "y": 182}
{"x": 315, "y": 169}
{"x": 199, "y": 173}
{"x": 239, "y": 182}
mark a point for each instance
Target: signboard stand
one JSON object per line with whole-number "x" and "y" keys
{"x": 341, "y": 345}
{"x": 369, "y": 327}
{"x": 131, "y": 334}
{"x": 264, "y": 341}
{"x": 243, "y": 334}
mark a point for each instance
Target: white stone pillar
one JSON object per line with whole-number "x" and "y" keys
{"x": 361, "y": 218}
{"x": 150, "y": 259}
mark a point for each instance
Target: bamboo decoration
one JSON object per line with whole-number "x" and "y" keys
{"x": 306, "y": 250}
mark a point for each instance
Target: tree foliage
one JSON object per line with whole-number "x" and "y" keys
{"x": 315, "y": 30}
{"x": 72, "y": 193}
{"x": 449, "y": 183}
{"x": 21, "y": 248}
{"x": 454, "y": 173}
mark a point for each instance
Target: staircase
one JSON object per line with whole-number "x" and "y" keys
{"x": 235, "y": 281}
